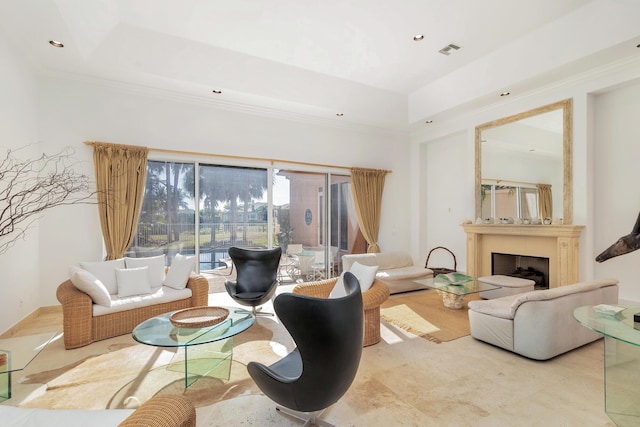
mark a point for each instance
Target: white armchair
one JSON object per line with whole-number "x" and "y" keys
{"x": 540, "y": 324}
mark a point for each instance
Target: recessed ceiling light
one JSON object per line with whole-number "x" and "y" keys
{"x": 418, "y": 37}
{"x": 339, "y": 114}
{"x": 55, "y": 43}
{"x": 217, "y": 91}
{"x": 505, "y": 94}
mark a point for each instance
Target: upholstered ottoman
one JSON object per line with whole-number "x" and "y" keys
{"x": 508, "y": 286}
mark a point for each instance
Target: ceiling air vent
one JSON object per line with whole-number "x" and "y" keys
{"x": 448, "y": 49}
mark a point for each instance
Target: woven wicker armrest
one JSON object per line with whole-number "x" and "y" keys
{"x": 163, "y": 411}
{"x": 77, "y": 312}
{"x": 375, "y": 295}
{"x": 319, "y": 289}
{"x": 371, "y": 300}
{"x": 199, "y": 286}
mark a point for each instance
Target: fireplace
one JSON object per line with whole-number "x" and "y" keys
{"x": 525, "y": 267}
{"x": 560, "y": 244}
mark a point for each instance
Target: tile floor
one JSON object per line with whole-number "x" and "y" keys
{"x": 406, "y": 380}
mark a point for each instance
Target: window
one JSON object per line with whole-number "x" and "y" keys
{"x": 242, "y": 206}
{"x": 509, "y": 201}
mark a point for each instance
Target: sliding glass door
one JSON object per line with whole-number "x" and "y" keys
{"x": 247, "y": 207}
{"x": 167, "y": 218}
{"x": 231, "y": 212}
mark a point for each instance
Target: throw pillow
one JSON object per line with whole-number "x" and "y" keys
{"x": 106, "y": 272}
{"x": 338, "y": 289}
{"x": 133, "y": 281}
{"x": 156, "y": 268}
{"x": 365, "y": 274}
{"x": 178, "y": 274}
{"x": 90, "y": 285}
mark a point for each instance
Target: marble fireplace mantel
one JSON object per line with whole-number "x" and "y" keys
{"x": 559, "y": 243}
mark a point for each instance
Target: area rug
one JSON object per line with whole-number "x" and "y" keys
{"x": 422, "y": 313}
{"x": 129, "y": 374}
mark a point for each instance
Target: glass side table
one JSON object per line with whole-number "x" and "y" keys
{"x": 16, "y": 353}
{"x": 621, "y": 361}
{"x": 453, "y": 295}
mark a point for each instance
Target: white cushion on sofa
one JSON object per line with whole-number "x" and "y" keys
{"x": 158, "y": 296}
{"x": 133, "y": 281}
{"x": 105, "y": 271}
{"x": 156, "y": 266}
{"x": 338, "y": 289}
{"x": 90, "y": 285}
{"x": 365, "y": 274}
{"x": 178, "y": 274}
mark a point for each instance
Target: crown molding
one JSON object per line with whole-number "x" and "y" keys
{"x": 225, "y": 104}
{"x": 596, "y": 80}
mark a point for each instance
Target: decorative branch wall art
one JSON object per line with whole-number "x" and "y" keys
{"x": 31, "y": 186}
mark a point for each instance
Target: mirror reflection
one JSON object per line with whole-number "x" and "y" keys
{"x": 523, "y": 166}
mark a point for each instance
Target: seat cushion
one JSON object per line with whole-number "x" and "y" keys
{"x": 158, "y": 296}
{"x": 248, "y": 296}
{"x": 508, "y": 286}
{"x": 410, "y": 272}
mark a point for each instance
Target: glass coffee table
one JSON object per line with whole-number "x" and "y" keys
{"x": 453, "y": 295}
{"x": 200, "y": 350}
{"x": 621, "y": 359}
{"x": 16, "y": 353}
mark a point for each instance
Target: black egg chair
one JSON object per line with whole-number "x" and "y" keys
{"x": 328, "y": 334}
{"x": 256, "y": 276}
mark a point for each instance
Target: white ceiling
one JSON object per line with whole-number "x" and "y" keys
{"x": 318, "y": 58}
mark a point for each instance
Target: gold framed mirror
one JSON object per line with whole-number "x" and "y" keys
{"x": 528, "y": 150}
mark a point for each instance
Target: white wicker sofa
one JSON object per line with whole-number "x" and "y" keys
{"x": 105, "y": 299}
{"x": 540, "y": 324}
{"x": 395, "y": 269}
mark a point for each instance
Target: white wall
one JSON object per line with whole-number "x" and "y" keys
{"x": 72, "y": 112}
{"x": 617, "y": 178}
{"x": 445, "y": 206}
{"x": 605, "y": 148}
{"x": 19, "y": 293}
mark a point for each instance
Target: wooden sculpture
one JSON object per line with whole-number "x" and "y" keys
{"x": 624, "y": 245}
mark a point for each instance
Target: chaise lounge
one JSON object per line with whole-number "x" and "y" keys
{"x": 395, "y": 269}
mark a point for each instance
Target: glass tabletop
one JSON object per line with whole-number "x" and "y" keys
{"x": 466, "y": 288}
{"x": 159, "y": 331}
{"x": 619, "y": 326}
{"x": 17, "y": 352}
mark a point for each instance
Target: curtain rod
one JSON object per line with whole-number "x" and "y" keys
{"x": 508, "y": 181}
{"x": 229, "y": 156}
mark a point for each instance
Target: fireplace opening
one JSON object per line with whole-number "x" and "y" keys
{"x": 523, "y": 266}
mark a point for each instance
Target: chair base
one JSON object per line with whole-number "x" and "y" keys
{"x": 257, "y": 311}
{"x": 309, "y": 418}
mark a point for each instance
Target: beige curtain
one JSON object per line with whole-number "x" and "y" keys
{"x": 121, "y": 172}
{"x": 367, "y": 186}
{"x": 545, "y": 201}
